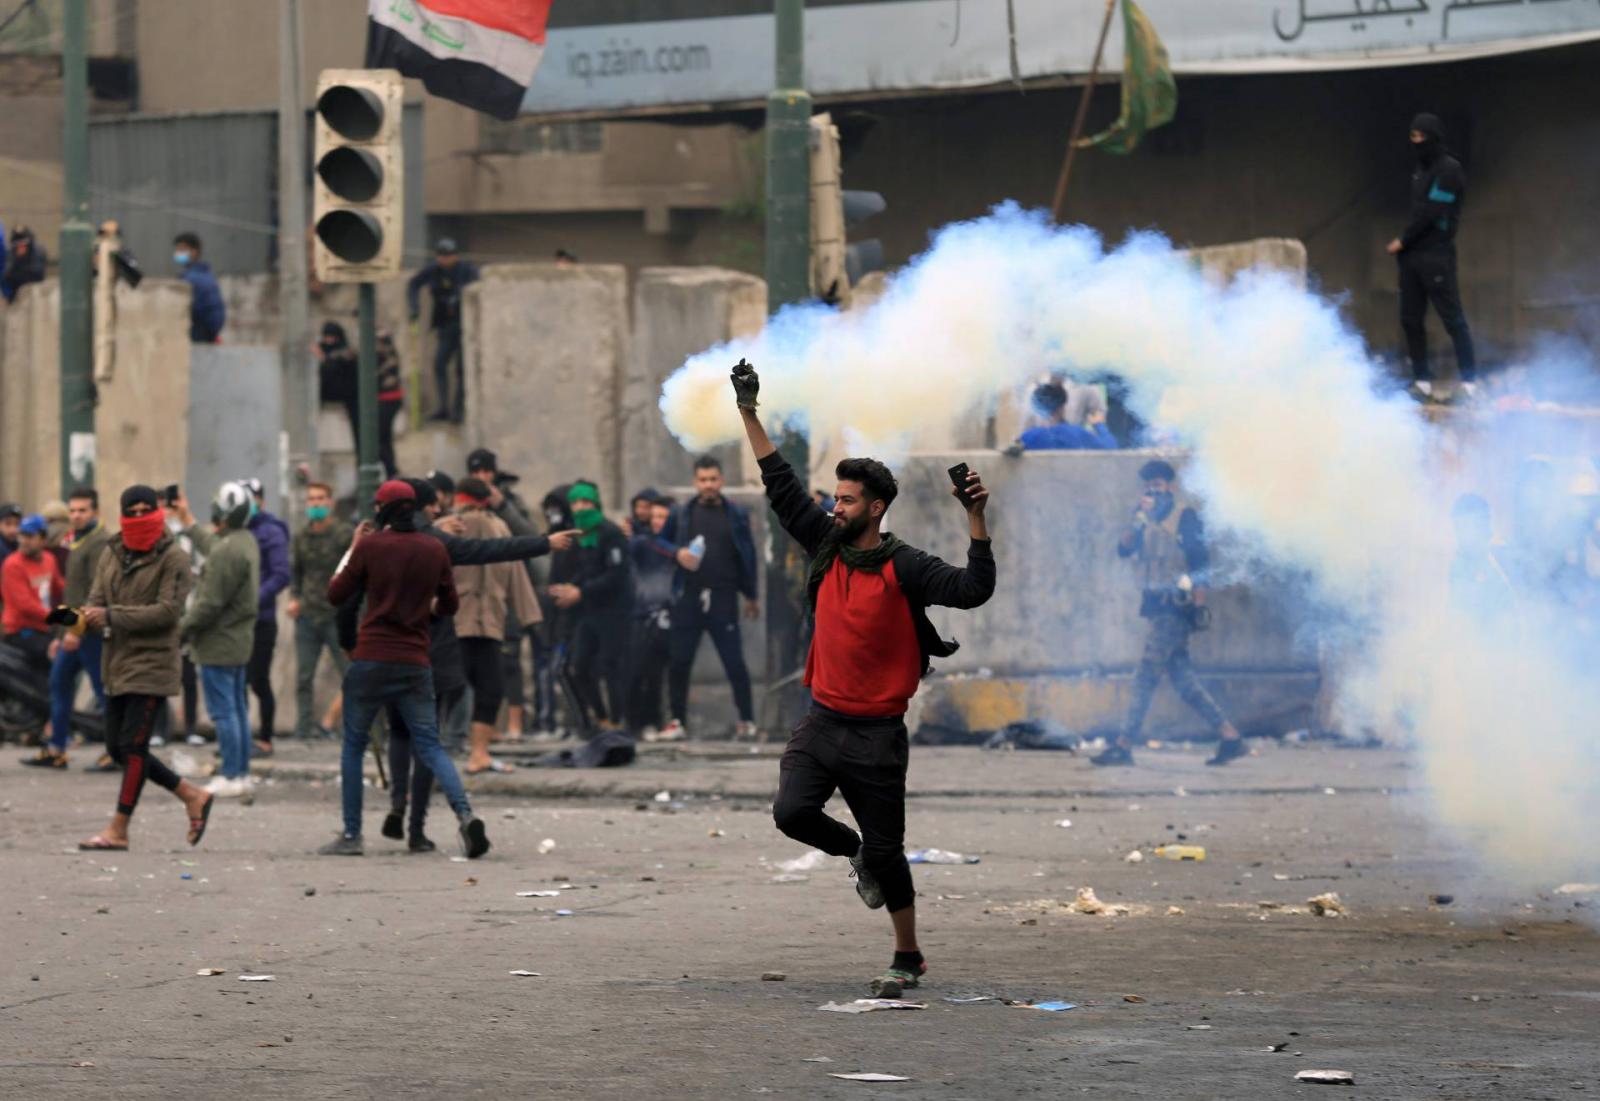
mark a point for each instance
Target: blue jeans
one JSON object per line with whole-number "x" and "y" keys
{"x": 370, "y": 686}
{"x": 64, "y": 686}
{"x": 229, "y": 706}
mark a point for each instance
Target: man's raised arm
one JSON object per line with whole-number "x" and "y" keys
{"x": 797, "y": 512}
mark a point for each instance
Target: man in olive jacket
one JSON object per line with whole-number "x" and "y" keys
{"x": 219, "y": 629}
{"x": 135, "y": 603}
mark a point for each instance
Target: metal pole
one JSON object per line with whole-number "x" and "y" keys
{"x": 368, "y": 474}
{"x": 1083, "y": 113}
{"x": 77, "y": 246}
{"x": 789, "y": 164}
{"x": 299, "y": 382}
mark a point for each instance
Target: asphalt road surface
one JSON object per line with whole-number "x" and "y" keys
{"x": 391, "y": 973}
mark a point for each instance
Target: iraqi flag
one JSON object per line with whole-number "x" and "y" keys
{"x": 480, "y": 53}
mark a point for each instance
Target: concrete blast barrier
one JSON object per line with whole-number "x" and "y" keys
{"x": 545, "y": 353}
{"x": 143, "y": 419}
{"x": 678, "y": 313}
{"x": 1062, "y": 633}
{"x": 30, "y": 396}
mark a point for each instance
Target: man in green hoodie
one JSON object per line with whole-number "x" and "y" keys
{"x": 219, "y": 630}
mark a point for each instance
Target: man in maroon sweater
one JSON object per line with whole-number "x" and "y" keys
{"x": 870, "y": 593}
{"x": 406, "y": 578}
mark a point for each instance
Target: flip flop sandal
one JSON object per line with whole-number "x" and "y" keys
{"x": 98, "y": 844}
{"x": 492, "y": 766}
{"x": 197, "y": 826}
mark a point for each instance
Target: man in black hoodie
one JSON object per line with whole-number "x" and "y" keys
{"x": 600, "y": 599}
{"x": 1426, "y": 253}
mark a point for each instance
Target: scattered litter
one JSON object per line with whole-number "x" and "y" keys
{"x": 1174, "y": 911}
{"x": 258, "y": 978}
{"x": 1275, "y": 1048}
{"x": 871, "y": 1076}
{"x": 1135, "y": 857}
{"x": 869, "y": 1005}
{"x": 212, "y": 971}
{"x": 810, "y": 862}
{"x": 538, "y": 894}
{"x": 1268, "y": 904}
{"x": 970, "y": 999}
{"x": 186, "y": 875}
{"x": 1329, "y": 791}
{"x": 1578, "y": 889}
{"x": 773, "y": 976}
{"x": 1327, "y": 905}
{"x": 715, "y": 833}
{"x": 563, "y": 913}
{"x": 470, "y": 881}
{"x": 1181, "y": 852}
{"x": 790, "y": 877}
{"x": 938, "y": 856}
{"x": 1327, "y": 1077}
{"x": 1197, "y": 1028}
{"x": 663, "y": 796}
{"x": 1180, "y": 792}
{"x": 817, "y": 1059}
{"x": 548, "y": 845}
{"x": 1441, "y": 900}
{"x": 1134, "y": 998}
{"x": 80, "y": 1063}
{"x": 521, "y": 974}
{"x": 102, "y": 909}
{"x": 1064, "y": 823}
{"x": 310, "y": 891}
{"x": 1048, "y": 1007}
{"x": 1088, "y": 902}
{"x": 458, "y": 860}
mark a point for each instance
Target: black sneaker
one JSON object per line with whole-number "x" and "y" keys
{"x": 1229, "y": 749}
{"x": 46, "y": 759}
{"x": 419, "y": 843}
{"x": 393, "y": 826}
{"x": 342, "y": 846}
{"x": 1114, "y": 756}
{"x": 867, "y": 885}
{"x": 474, "y": 838}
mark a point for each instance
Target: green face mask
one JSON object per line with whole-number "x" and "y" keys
{"x": 588, "y": 520}
{"x": 317, "y": 513}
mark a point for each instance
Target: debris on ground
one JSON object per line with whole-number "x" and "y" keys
{"x": 1327, "y": 1077}
{"x": 1134, "y": 998}
{"x": 1181, "y": 852}
{"x": 548, "y": 845}
{"x": 713, "y": 832}
{"x": 1048, "y": 1007}
{"x": 773, "y": 976}
{"x": 1197, "y": 1028}
{"x": 810, "y": 862}
{"x": 1135, "y": 857}
{"x": 970, "y": 999}
{"x": 1174, "y": 911}
{"x": 310, "y": 892}
{"x": 1327, "y": 905}
{"x": 939, "y": 856}
{"x": 538, "y": 894}
{"x": 1064, "y": 823}
{"x": 871, "y": 1076}
{"x": 1276, "y": 1048}
{"x": 1441, "y": 900}
{"x": 563, "y": 913}
{"x": 258, "y": 978}
{"x": 212, "y": 971}
{"x": 790, "y": 877}
{"x": 1033, "y": 734}
{"x": 1087, "y": 902}
{"x": 663, "y": 796}
{"x": 1578, "y": 889}
{"x": 521, "y": 974}
{"x": 869, "y": 1005}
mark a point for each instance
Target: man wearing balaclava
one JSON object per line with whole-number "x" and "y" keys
{"x": 135, "y": 604}
{"x": 220, "y": 627}
{"x": 600, "y": 599}
{"x": 1426, "y": 254}
{"x": 1168, "y": 547}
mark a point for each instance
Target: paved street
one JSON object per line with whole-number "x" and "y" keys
{"x": 391, "y": 971}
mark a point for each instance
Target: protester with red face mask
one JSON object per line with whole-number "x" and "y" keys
{"x": 135, "y": 604}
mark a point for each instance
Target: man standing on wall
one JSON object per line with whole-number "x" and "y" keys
{"x": 717, "y": 557}
{"x": 1168, "y": 546}
{"x": 1426, "y": 254}
{"x": 446, "y": 279}
{"x": 870, "y": 593}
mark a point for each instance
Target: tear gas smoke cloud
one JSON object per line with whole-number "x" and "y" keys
{"x": 1300, "y": 450}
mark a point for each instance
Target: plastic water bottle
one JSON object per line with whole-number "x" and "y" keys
{"x": 697, "y": 546}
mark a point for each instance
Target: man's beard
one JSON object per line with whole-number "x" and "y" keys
{"x": 849, "y": 531}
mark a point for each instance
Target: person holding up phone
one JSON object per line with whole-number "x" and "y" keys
{"x": 870, "y": 592}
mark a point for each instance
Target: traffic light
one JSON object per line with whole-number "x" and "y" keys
{"x": 837, "y": 265}
{"x": 359, "y": 198}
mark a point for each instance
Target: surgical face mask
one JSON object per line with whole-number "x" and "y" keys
{"x": 180, "y": 258}
{"x": 255, "y": 507}
{"x": 317, "y": 513}
{"x": 554, "y": 516}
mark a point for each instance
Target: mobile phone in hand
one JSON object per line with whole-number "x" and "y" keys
{"x": 958, "y": 478}
{"x": 172, "y": 493}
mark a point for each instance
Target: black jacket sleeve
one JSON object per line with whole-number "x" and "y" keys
{"x": 1439, "y": 207}
{"x": 931, "y": 581}
{"x": 616, "y": 570}
{"x": 486, "y": 552}
{"x": 800, "y": 516}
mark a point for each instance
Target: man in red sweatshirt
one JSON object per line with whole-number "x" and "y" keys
{"x": 406, "y": 579}
{"x": 870, "y": 593}
{"x": 30, "y": 585}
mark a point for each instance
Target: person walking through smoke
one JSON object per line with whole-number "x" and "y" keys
{"x": 1426, "y": 254}
{"x": 1169, "y": 548}
{"x": 869, "y": 592}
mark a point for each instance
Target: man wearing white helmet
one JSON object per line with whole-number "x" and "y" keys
{"x": 219, "y": 628}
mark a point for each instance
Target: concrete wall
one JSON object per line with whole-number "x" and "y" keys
{"x": 30, "y": 396}
{"x": 236, "y": 406}
{"x": 677, "y": 313}
{"x": 142, "y": 421}
{"x": 546, "y": 349}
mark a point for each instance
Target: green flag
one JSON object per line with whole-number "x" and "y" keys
{"x": 1149, "y": 94}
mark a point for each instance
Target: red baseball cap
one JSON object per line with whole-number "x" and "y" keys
{"x": 392, "y": 491}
